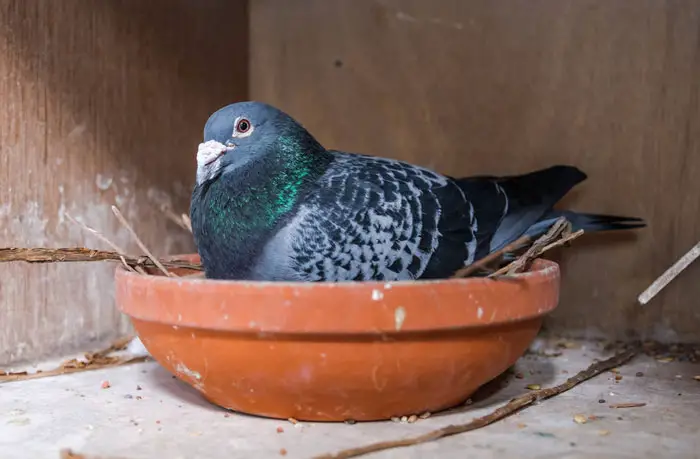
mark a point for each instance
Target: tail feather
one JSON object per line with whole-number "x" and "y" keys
{"x": 508, "y": 207}
{"x": 598, "y": 222}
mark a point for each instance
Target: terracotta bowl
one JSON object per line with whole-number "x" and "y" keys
{"x": 337, "y": 351}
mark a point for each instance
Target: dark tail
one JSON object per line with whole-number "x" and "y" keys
{"x": 597, "y": 222}
{"x": 529, "y": 200}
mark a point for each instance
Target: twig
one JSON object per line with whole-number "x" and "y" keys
{"x": 143, "y": 247}
{"x": 67, "y": 453}
{"x": 522, "y": 262}
{"x": 493, "y": 256}
{"x": 627, "y": 405}
{"x": 180, "y": 220}
{"x": 540, "y": 246}
{"x": 187, "y": 222}
{"x": 504, "y": 411}
{"x": 81, "y": 254}
{"x": 101, "y": 237}
{"x": 670, "y": 274}
{"x": 93, "y": 361}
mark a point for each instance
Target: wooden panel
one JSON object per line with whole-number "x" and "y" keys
{"x": 102, "y": 103}
{"x": 472, "y": 87}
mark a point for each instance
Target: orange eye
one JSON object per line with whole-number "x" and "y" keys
{"x": 243, "y": 125}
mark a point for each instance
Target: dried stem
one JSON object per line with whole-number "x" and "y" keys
{"x": 502, "y": 412}
{"x": 143, "y": 247}
{"x": 80, "y": 254}
{"x": 93, "y": 361}
{"x": 101, "y": 237}
{"x": 493, "y": 256}
{"x": 182, "y": 220}
{"x": 670, "y": 274}
{"x": 67, "y": 453}
{"x": 558, "y": 235}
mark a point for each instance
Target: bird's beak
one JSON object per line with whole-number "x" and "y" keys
{"x": 210, "y": 151}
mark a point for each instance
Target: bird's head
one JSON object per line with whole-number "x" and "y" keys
{"x": 241, "y": 133}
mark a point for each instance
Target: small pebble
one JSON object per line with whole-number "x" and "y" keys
{"x": 395, "y": 419}
{"x": 283, "y": 452}
{"x": 425, "y": 415}
{"x": 602, "y": 400}
{"x": 580, "y": 419}
{"x": 128, "y": 396}
{"x": 697, "y": 378}
{"x": 404, "y": 418}
{"x": 639, "y": 374}
{"x": 350, "y": 421}
{"x": 618, "y": 377}
{"x": 138, "y": 387}
{"x": 519, "y": 375}
{"x": 412, "y": 418}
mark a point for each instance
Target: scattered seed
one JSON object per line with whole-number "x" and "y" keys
{"x": 618, "y": 377}
{"x": 350, "y": 421}
{"x": 679, "y": 376}
{"x": 395, "y": 419}
{"x": 138, "y": 397}
{"x": 227, "y": 415}
{"x": 580, "y": 419}
{"x": 602, "y": 400}
{"x": 412, "y": 418}
{"x": 627, "y": 405}
{"x": 283, "y": 452}
{"x": 425, "y": 415}
{"x": 665, "y": 359}
{"x": 697, "y": 378}
{"x": 522, "y": 425}
{"x": 280, "y": 430}
{"x": 404, "y": 418}
{"x": 592, "y": 417}
{"x": 533, "y": 387}
{"x": 106, "y": 385}
{"x": 293, "y": 421}
{"x": 128, "y": 396}
{"x": 639, "y": 374}
{"x": 603, "y": 433}
{"x": 158, "y": 422}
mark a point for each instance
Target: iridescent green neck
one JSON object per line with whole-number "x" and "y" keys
{"x": 252, "y": 203}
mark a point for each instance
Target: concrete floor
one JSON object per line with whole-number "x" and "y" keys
{"x": 146, "y": 414}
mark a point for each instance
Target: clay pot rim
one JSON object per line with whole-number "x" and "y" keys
{"x": 539, "y": 267}
{"x": 367, "y": 308}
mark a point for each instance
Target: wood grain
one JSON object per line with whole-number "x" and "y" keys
{"x": 474, "y": 87}
{"x": 102, "y": 103}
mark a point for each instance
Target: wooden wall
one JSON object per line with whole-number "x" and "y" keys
{"x": 101, "y": 103}
{"x": 475, "y": 86}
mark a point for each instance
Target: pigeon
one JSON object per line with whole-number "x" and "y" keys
{"x": 270, "y": 203}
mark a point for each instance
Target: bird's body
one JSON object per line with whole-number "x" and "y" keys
{"x": 271, "y": 203}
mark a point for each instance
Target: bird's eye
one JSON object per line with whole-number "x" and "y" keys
{"x": 243, "y": 125}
